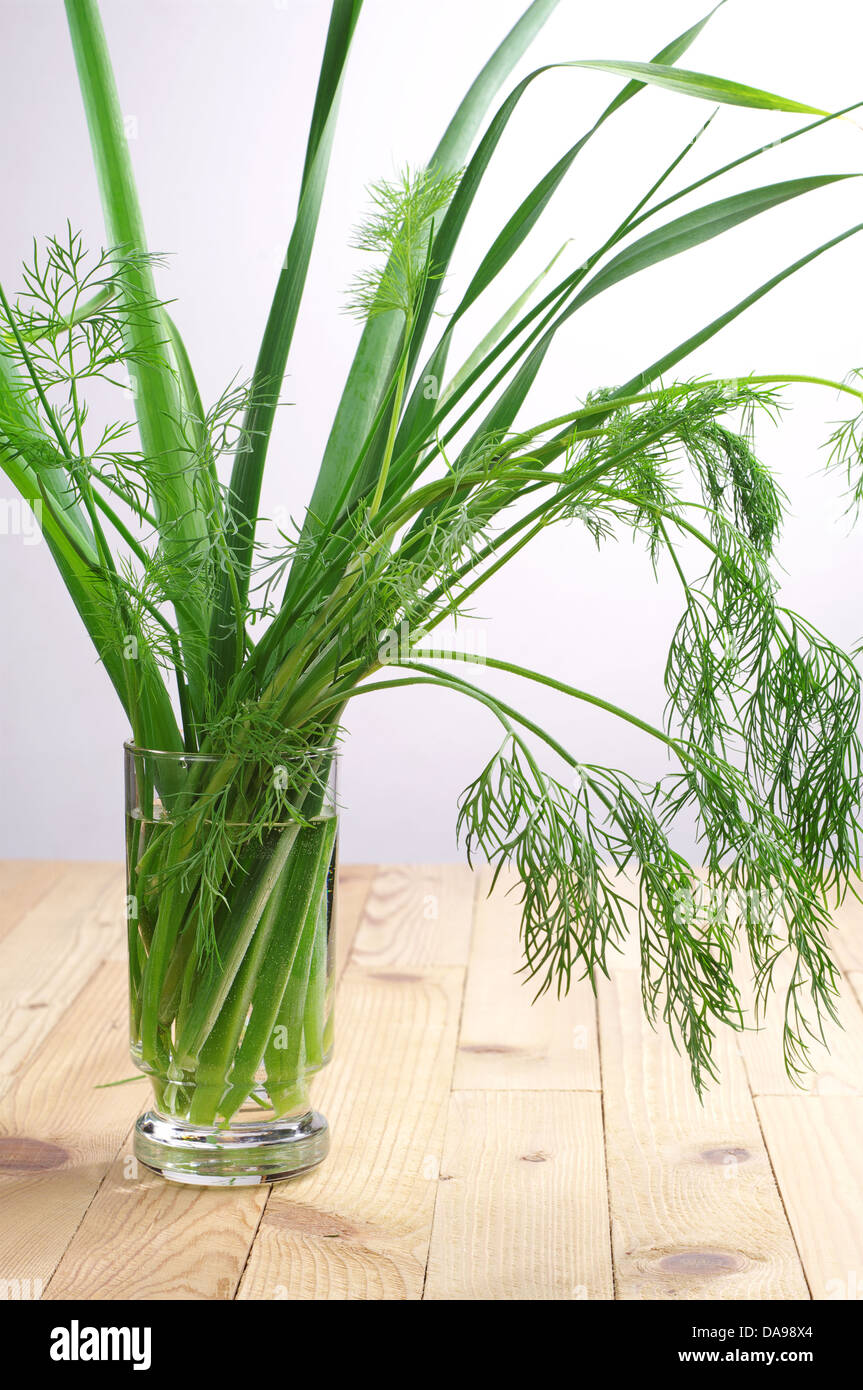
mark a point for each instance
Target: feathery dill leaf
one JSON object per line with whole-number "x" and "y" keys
{"x": 398, "y": 230}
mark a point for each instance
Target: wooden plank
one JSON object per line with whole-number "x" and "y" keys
{"x": 508, "y": 1205}
{"x": 522, "y": 1209}
{"x": 144, "y": 1238}
{"x": 816, "y": 1146}
{"x": 359, "y": 1226}
{"x": 847, "y": 937}
{"x": 417, "y": 914}
{"x": 695, "y": 1212}
{"x": 52, "y": 952}
{"x": 837, "y": 1069}
{"x": 507, "y": 1042}
{"x": 23, "y": 883}
{"x": 353, "y": 889}
{"x": 58, "y": 1133}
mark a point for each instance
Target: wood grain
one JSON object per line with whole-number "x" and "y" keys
{"x": 143, "y": 1238}
{"x": 197, "y": 1240}
{"x": 58, "y": 1133}
{"x": 522, "y": 1211}
{"x": 416, "y": 915}
{"x": 50, "y": 954}
{"x": 468, "y": 1159}
{"x": 359, "y": 1226}
{"x": 815, "y": 1145}
{"x": 507, "y": 1042}
{"x": 695, "y": 1212}
{"x": 847, "y": 937}
{"x": 353, "y": 889}
{"x": 23, "y": 883}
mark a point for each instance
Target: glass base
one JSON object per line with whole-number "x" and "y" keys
{"x": 240, "y": 1156}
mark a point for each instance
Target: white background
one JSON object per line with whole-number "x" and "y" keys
{"x": 218, "y": 96}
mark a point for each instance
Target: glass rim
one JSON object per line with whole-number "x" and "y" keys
{"x": 129, "y": 746}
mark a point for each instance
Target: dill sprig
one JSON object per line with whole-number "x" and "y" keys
{"x": 398, "y": 230}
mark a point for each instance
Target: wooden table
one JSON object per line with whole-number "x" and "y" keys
{"x": 483, "y": 1148}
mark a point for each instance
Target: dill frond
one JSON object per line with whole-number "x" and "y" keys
{"x": 397, "y": 231}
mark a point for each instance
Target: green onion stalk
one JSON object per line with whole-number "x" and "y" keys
{"x": 231, "y": 899}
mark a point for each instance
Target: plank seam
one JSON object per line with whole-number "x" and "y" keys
{"x": 777, "y": 1185}
{"x": 773, "y": 1172}
{"x": 856, "y": 1002}
{"x": 451, "y": 1092}
{"x": 615, "y": 1286}
{"x": 242, "y": 1274}
{"x": 101, "y": 1183}
{"x": 374, "y": 870}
